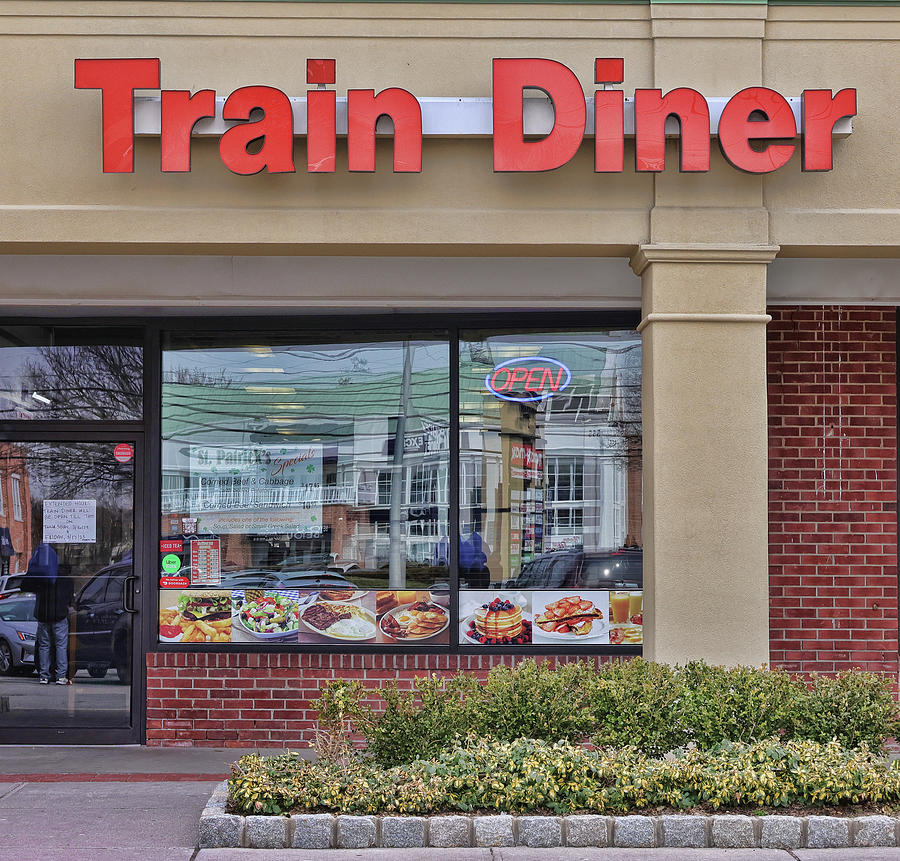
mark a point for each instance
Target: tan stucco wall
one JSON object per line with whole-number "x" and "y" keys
{"x": 53, "y": 193}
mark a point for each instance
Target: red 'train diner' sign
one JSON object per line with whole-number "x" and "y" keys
{"x": 756, "y": 128}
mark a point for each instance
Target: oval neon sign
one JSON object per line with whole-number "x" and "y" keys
{"x": 531, "y": 378}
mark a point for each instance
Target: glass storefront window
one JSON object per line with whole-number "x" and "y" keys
{"x": 550, "y": 488}
{"x": 71, "y": 373}
{"x": 304, "y": 485}
{"x": 306, "y": 489}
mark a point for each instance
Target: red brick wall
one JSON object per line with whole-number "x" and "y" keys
{"x": 833, "y": 488}
{"x": 267, "y": 699}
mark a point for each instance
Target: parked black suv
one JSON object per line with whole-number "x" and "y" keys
{"x": 577, "y": 569}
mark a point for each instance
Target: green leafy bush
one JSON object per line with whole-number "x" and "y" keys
{"x": 420, "y": 722}
{"x": 531, "y": 700}
{"x": 658, "y": 708}
{"x": 852, "y": 707}
{"x": 531, "y": 775}
{"x": 652, "y": 707}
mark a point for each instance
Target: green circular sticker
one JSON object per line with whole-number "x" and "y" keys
{"x": 171, "y": 563}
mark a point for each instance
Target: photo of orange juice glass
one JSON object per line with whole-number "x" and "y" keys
{"x": 619, "y": 603}
{"x": 635, "y": 603}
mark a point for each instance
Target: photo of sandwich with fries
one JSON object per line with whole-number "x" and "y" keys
{"x": 198, "y": 616}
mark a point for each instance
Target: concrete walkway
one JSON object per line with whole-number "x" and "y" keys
{"x": 127, "y": 759}
{"x": 126, "y": 810}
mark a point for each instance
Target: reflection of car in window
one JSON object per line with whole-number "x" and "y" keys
{"x": 102, "y": 626}
{"x": 610, "y": 569}
{"x": 18, "y": 628}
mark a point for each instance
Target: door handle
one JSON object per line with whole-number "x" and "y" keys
{"x": 126, "y": 593}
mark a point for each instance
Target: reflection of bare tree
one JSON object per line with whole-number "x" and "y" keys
{"x": 185, "y": 376}
{"x": 96, "y": 381}
{"x": 84, "y": 471}
{"x": 78, "y": 470}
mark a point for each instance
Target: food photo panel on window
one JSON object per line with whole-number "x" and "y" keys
{"x": 197, "y": 616}
{"x": 490, "y": 618}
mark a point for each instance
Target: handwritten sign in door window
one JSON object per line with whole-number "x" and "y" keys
{"x": 70, "y": 521}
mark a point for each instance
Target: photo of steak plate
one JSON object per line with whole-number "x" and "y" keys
{"x": 322, "y": 617}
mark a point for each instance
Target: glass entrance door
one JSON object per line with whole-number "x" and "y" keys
{"x": 71, "y": 589}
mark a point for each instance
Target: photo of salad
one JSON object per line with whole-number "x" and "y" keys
{"x": 269, "y": 615}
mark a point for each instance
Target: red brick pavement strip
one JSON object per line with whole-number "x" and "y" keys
{"x": 142, "y": 777}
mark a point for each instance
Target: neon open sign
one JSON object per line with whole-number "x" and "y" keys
{"x": 531, "y": 378}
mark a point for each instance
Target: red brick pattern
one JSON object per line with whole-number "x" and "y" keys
{"x": 833, "y": 488}
{"x": 268, "y": 699}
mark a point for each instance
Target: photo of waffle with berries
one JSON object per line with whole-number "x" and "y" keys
{"x": 490, "y": 618}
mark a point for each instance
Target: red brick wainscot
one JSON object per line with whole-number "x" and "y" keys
{"x": 264, "y": 699}
{"x": 832, "y": 374}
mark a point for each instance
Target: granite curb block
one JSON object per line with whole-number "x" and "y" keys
{"x": 222, "y": 830}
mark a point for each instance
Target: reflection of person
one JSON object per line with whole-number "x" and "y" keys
{"x": 473, "y": 563}
{"x": 53, "y": 597}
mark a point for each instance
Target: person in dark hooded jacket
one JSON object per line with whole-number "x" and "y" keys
{"x": 53, "y": 597}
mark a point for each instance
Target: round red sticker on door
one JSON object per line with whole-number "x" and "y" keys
{"x": 123, "y": 452}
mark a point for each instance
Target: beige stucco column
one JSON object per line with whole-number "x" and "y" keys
{"x": 705, "y": 456}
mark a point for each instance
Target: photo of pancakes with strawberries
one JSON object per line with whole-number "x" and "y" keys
{"x": 495, "y": 619}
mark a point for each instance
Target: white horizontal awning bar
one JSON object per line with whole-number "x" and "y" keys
{"x": 448, "y": 117}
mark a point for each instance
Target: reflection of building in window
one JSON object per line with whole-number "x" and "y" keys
{"x": 384, "y": 488}
{"x": 471, "y": 492}
{"x": 427, "y": 484}
{"x": 559, "y": 473}
{"x": 566, "y": 521}
{"x": 16, "y": 490}
{"x": 586, "y": 492}
{"x": 565, "y": 479}
{"x": 422, "y": 535}
{"x": 16, "y": 515}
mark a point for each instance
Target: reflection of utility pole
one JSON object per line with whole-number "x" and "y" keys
{"x": 397, "y": 568}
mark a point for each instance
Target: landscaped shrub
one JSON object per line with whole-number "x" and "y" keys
{"x": 635, "y": 703}
{"x": 657, "y": 707}
{"x": 852, "y": 707}
{"x": 421, "y": 722}
{"x": 530, "y": 775}
{"x": 652, "y": 707}
{"x": 531, "y": 700}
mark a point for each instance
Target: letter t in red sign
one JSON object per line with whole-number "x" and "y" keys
{"x": 117, "y": 79}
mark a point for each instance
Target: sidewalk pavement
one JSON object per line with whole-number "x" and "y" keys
{"x": 143, "y": 804}
{"x": 71, "y": 762}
